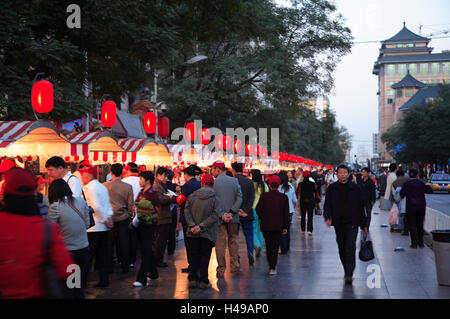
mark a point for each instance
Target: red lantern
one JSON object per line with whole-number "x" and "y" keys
{"x": 227, "y": 142}
{"x": 150, "y": 122}
{"x": 220, "y": 141}
{"x": 206, "y": 137}
{"x": 109, "y": 112}
{"x": 42, "y": 96}
{"x": 191, "y": 131}
{"x": 237, "y": 146}
{"x": 249, "y": 150}
{"x": 163, "y": 127}
{"x": 275, "y": 156}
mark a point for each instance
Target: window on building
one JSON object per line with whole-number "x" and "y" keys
{"x": 400, "y": 45}
{"x": 413, "y": 69}
{"x": 409, "y": 92}
{"x": 401, "y": 70}
{"x": 423, "y": 68}
{"x": 390, "y": 70}
{"x": 411, "y": 45}
{"x": 435, "y": 69}
{"x": 446, "y": 66}
{"x": 390, "y": 101}
{"x": 390, "y": 91}
{"x": 399, "y": 92}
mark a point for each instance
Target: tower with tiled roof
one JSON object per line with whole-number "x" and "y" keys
{"x": 405, "y": 59}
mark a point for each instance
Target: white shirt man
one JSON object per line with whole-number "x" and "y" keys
{"x": 132, "y": 179}
{"x": 56, "y": 169}
{"x": 74, "y": 184}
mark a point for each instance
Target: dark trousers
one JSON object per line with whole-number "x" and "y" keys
{"x": 133, "y": 244}
{"x": 122, "y": 241}
{"x": 200, "y": 252}
{"x": 368, "y": 211}
{"x": 81, "y": 258}
{"x": 307, "y": 208}
{"x": 99, "y": 248}
{"x": 161, "y": 241}
{"x": 416, "y": 218}
{"x": 286, "y": 239}
{"x": 185, "y": 242}
{"x": 346, "y": 239}
{"x": 172, "y": 241}
{"x": 404, "y": 220}
{"x": 146, "y": 236}
{"x": 273, "y": 240}
{"x": 247, "y": 228}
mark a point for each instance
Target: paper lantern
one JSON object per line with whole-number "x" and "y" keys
{"x": 163, "y": 127}
{"x": 220, "y": 141}
{"x": 109, "y": 112}
{"x": 42, "y": 96}
{"x": 248, "y": 150}
{"x": 150, "y": 122}
{"x": 206, "y": 137}
{"x": 237, "y": 146}
{"x": 191, "y": 132}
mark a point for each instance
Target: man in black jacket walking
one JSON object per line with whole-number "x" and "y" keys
{"x": 246, "y": 212}
{"x": 344, "y": 210}
{"x": 368, "y": 193}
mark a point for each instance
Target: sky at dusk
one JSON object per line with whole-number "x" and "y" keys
{"x": 354, "y": 97}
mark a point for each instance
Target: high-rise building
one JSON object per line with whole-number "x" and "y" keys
{"x": 404, "y": 67}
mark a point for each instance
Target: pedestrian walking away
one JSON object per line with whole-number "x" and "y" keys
{"x": 414, "y": 190}
{"x": 99, "y": 235}
{"x": 287, "y": 189}
{"x": 273, "y": 210}
{"x": 246, "y": 211}
{"x": 72, "y": 215}
{"x": 344, "y": 209}
{"x": 401, "y": 203}
{"x": 230, "y": 195}
{"x": 368, "y": 193}
{"x": 307, "y": 193}
{"x": 122, "y": 201}
{"x": 202, "y": 212}
{"x": 260, "y": 188}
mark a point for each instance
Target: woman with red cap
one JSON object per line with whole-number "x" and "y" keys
{"x": 273, "y": 210}
{"x": 23, "y": 234}
{"x": 202, "y": 213}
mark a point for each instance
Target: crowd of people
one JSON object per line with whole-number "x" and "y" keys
{"x": 93, "y": 224}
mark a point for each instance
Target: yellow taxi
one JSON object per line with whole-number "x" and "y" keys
{"x": 440, "y": 182}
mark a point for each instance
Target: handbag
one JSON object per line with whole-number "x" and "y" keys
{"x": 366, "y": 249}
{"x": 91, "y": 214}
{"x": 393, "y": 215}
{"x": 53, "y": 288}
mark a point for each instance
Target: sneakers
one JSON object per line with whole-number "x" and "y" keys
{"x": 138, "y": 284}
{"x": 309, "y": 233}
{"x": 204, "y": 285}
{"x": 272, "y": 272}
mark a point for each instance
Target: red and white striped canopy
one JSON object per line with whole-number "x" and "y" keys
{"x": 132, "y": 144}
{"x": 11, "y": 131}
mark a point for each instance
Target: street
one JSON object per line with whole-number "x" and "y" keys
{"x": 439, "y": 202}
{"x": 311, "y": 271}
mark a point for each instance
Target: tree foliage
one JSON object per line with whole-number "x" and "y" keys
{"x": 424, "y": 131}
{"x": 264, "y": 62}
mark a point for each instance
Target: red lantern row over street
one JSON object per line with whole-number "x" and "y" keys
{"x": 109, "y": 113}
{"x": 163, "y": 127}
{"x": 42, "y": 96}
{"x": 206, "y": 137}
{"x": 150, "y": 122}
{"x": 191, "y": 131}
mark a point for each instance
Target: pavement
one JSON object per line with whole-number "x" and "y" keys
{"x": 439, "y": 201}
{"x": 312, "y": 270}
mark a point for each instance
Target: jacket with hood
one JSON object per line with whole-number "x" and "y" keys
{"x": 203, "y": 208}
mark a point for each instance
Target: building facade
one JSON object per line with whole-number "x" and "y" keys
{"x": 405, "y": 54}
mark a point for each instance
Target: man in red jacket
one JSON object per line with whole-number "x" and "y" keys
{"x": 273, "y": 210}
{"x": 22, "y": 249}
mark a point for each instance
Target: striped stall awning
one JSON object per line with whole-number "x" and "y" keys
{"x": 132, "y": 144}
{"x": 80, "y": 142}
{"x": 11, "y": 131}
{"x": 104, "y": 157}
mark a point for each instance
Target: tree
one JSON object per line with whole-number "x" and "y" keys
{"x": 424, "y": 132}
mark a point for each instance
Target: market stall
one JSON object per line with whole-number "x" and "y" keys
{"x": 148, "y": 152}
{"x": 32, "y": 142}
